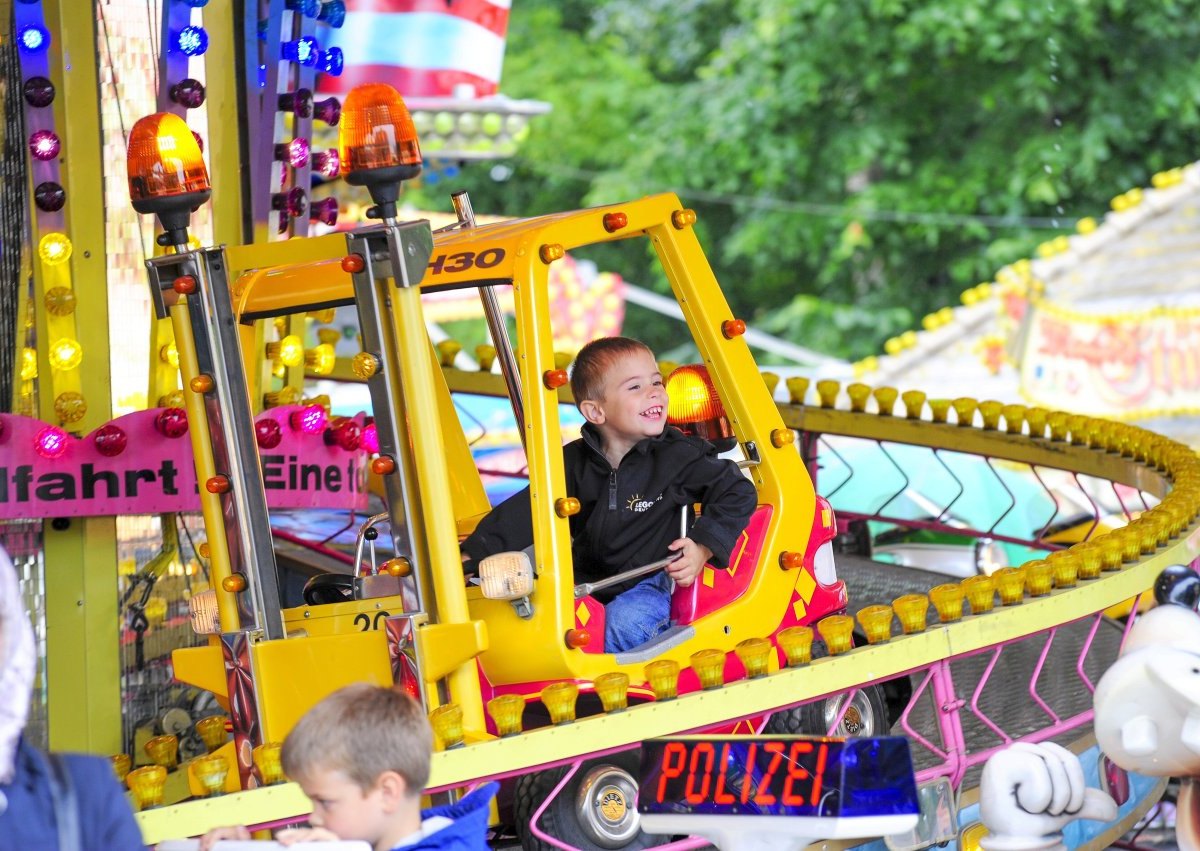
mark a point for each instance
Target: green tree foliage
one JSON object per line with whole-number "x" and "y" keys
{"x": 857, "y": 163}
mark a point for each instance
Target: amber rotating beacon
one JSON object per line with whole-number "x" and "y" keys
{"x": 167, "y": 176}
{"x": 378, "y": 145}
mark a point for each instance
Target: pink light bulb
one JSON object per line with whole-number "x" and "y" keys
{"x": 327, "y": 164}
{"x": 324, "y": 211}
{"x": 294, "y": 202}
{"x": 369, "y": 439}
{"x": 172, "y": 422}
{"x": 110, "y": 440}
{"x": 310, "y": 420}
{"x": 51, "y": 442}
{"x": 268, "y": 433}
{"x": 345, "y": 433}
{"x": 294, "y": 153}
{"x": 44, "y": 144}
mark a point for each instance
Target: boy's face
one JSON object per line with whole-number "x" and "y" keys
{"x": 634, "y": 403}
{"x": 340, "y": 805}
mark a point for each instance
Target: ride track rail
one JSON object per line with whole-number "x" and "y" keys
{"x": 1131, "y": 558}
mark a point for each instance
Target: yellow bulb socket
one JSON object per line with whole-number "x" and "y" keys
{"x": 447, "y": 723}
{"x": 859, "y": 394}
{"x": 912, "y": 610}
{"x": 1014, "y": 418}
{"x": 797, "y": 387}
{"x": 948, "y": 600}
{"x": 876, "y": 622}
{"x": 147, "y": 784}
{"x": 939, "y": 410}
{"x": 964, "y": 410}
{"x": 709, "y": 666}
{"x": 663, "y": 677}
{"x": 212, "y": 731}
{"x": 267, "y": 759}
{"x": 559, "y": 699}
{"x": 1010, "y": 585}
{"x": 164, "y": 751}
{"x": 827, "y": 391}
{"x": 980, "y": 592}
{"x": 211, "y": 771}
{"x": 506, "y": 711}
{"x": 837, "y": 631}
{"x": 885, "y": 400}
{"x": 796, "y": 644}
{"x": 1039, "y": 577}
{"x": 991, "y": 410}
{"x": 755, "y": 656}
{"x": 613, "y": 690}
{"x": 914, "y": 403}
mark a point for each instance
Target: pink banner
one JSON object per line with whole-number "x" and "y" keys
{"x": 142, "y": 463}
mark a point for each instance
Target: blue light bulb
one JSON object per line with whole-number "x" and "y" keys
{"x": 303, "y": 50}
{"x": 330, "y": 61}
{"x": 191, "y": 41}
{"x": 33, "y": 38}
{"x": 307, "y": 8}
{"x": 333, "y": 13}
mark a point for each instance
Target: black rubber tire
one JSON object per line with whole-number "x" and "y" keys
{"x": 328, "y": 588}
{"x": 867, "y": 716}
{"x": 560, "y": 819}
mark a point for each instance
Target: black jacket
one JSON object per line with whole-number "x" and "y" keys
{"x": 629, "y": 515}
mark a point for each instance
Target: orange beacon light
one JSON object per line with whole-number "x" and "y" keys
{"x": 377, "y": 143}
{"x": 695, "y": 408}
{"x": 166, "y": 171}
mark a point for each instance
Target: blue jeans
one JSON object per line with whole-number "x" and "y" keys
{"x": 635, "y": 616}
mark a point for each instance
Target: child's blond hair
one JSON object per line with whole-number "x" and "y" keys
{"x": 362, "y": 730}
{"x": 594, "y": 361}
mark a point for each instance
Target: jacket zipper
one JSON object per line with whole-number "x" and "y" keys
{"x": 612, "y": 490}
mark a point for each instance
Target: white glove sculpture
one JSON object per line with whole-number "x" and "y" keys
{"x": 1028, "y": 792}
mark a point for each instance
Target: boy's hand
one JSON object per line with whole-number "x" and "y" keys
{"x": 293, "y": 835}
{"x": 692, "y": 557}
{"x": 219, "y": 833}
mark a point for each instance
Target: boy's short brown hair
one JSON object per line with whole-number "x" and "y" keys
{"x": 362, "y": 730}
{"x": 595, "y": 360}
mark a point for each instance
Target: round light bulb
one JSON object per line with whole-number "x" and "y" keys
{"x": 54, "y": 248}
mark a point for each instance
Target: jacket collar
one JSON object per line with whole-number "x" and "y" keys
{"x": 591, "y": 438}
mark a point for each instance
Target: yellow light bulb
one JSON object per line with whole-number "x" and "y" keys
{"x": 506, "y": 711}
{"x": 54, "y": 248}
{"x": 291, "y": 350}
{"x": 212, "y": 731}
{"x": 981, "y": 593}
{"x": 321, "y": 359}
{"x": 837, "y": 631}
{"x": 147, "y": 784}
{"x": 70, "y": 406}
{"x": 912, "y": 611}
{"x": 560, "y": 701}
{"x": 211, "y": 771}
{"x": 948, "y": 599}
{"x": 876, "y": 623}
{"x": 709, "y": 666}
{"x": 59, "y": 301}
{"x": 1010, "y": 583}
{"x": 447, "y": 723}
{"x": 914, "y": 402}
{"x": 164, "y": 751}
{"x": 797, "y": 387}
{"x": 364, "y": 365}
{"x": 796, "y": 644}
{"x": 447, "y": 351}
{"x": 613, "y": 690}
{"x": 267, "y": 759}
{"x": 169, "y": 354}
{"x": 663, "y": 677}
{"x": 1039, "y": 577}
{"x": 29, "y": 369}
{"x": 121, "y": 763}
{"x": 755, "y": 655}
{"x": 65, "y": 353}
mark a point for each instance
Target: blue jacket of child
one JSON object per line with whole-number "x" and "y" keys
{"x": 468, "y": 826}
{"x": 105, "y": 818}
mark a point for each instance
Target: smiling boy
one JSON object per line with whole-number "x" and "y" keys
{"x": 632, "y": 475}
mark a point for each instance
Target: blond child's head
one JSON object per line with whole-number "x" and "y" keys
{"x": 619, "y": 390}
{"x": 362, "y": 756}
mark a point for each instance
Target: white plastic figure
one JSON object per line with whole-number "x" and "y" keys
{"x": 1028, "y": 792}
{"x": 1148, "y": 703}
